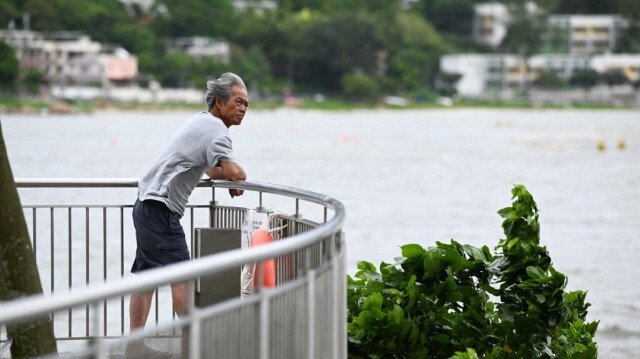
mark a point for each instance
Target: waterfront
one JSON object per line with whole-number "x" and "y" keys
{"x": 411, "y": 177}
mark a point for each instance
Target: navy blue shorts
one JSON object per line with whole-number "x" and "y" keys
{"x": 159, "y": 235}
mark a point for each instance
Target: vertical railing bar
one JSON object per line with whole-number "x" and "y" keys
{"x": 311, "y": 314}
{"x": 264, "y": 323}
{"x": 35, "y": 248}
{"x": 192, "y": 227}
{"x": 260, "y": 199}
{"x": 157, "y": 302}
{"x": 53, "y": 264}
{"x": 70, "y": 269}
{"x": 335, "y": 307}
{"x": 86, "y": 261}
{"x": 122, "y": 268}
{"x": 326, "y": 210}
{"x": 98, "y": 346}
{"x": 104, "y": 264}
{"x": 194, "y": 328}
{"x": 52, "y": 228}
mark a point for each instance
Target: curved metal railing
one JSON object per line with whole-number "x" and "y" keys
{"x": 303, "y": 316}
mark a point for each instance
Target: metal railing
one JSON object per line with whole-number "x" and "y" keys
{"x": 83, "y": 252}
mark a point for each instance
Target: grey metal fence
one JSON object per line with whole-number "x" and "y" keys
{"x": 84, "y": 252}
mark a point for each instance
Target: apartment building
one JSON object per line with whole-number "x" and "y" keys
{"x": 70, "y": 58}
{"x": 485, "y": 74}
{"x": 575, "y": 34}
{"x": 586, "y": 34}
{"x": 490, "y": 23}
{"x": 199, "y": 47}
{"x": 628, "y": 64}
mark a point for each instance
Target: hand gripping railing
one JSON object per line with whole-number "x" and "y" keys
{"x": 92, "y": 295}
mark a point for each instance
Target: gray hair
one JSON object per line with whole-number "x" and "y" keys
{"x": 221, "y": 88}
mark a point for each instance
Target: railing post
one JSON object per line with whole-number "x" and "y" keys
{"x": 99, "y": 348}
{"x": 311, "y": 314}
{"x": 265, "y": 295}
{"x": 194, "y": 320}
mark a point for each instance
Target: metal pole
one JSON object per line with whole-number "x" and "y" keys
{"x": 311, "y": 314}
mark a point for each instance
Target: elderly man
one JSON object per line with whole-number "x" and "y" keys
{"x": 202, "y": 146}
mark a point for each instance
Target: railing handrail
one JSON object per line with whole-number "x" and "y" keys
{"x": 39, "y": 305}
{"x": 133, "y": 183}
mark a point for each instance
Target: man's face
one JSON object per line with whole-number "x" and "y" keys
{"x": 232, "y": 112}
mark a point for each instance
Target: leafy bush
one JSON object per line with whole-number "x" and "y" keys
{"x": 459, "y": 301}
{"x": 360, "y": 87}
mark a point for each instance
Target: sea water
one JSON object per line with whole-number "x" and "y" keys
{"x": 411, "y": 176}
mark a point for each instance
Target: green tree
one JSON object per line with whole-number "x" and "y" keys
{"x": 253, "y": 66}
{"x": 278, "y": 35}
{"x": 629, "y": 41}
{"x": 9, "y": 67}
{"x": 384, "y": 7}
{"x": 414, "y": 52}
{"x": 32, "y": 81}
{"x": 360, "y": 88}
{"x": 344, "y": 43}
{"x": 614, "y": 77}
{"x": 297, "y": 5}
{"x": 524, "y": 29}
{"x": 18, "y": 270}
{"x": 459, "y": 301}
{"x": 587, "y": 7}
{"x": 452, "y": 16}
{"x": 9, "y": 10}
{"x": 548, "y": 79}
{"x": 177, "y": 18}
{"x": 584, "y": 78}
{"x": 174, "y": 70}
{"x": 135, "y": 38}
{"x": 446, "y": 83}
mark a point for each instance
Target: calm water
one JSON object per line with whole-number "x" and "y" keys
{"x": 412, "y": 177}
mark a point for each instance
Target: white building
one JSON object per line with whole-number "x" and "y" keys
{"x": 199, "y": 47}
{"x": 487, "y": 74}
{"x": 585, "y": 34}
{"x": 563, "y": 65}
{"x": 145, "y": 5}
{"x": 256, "y": 5}
{"x": 70, "y": 57}
{"x": 490, "y": 23}
{"x": 628, "y": 64}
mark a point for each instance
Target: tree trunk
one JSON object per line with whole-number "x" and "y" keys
{"x": 18, "y": 269}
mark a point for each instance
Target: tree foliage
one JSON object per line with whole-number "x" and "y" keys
{"x": 341, "y": 44}
{"x": 585, "y": 78}
{"x": 452, "y": 16}
{"x": 548, "y": 79}
{"x": 309, "y": 44}
{"x": 179, "y": 18}
{"x": 360, "y": 88}
{"x": 439, "y": 302}
{"x": 9, "y": 67}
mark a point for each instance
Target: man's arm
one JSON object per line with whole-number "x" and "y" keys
{"x": 230, "y": 171}
{"x": 227, "y": 170}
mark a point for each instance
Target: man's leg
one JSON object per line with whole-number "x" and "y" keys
{"x": 139, "y": 307}
{"x": 179, "y": 295}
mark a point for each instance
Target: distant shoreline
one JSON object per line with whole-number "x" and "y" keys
{"x": 42, "y": 106}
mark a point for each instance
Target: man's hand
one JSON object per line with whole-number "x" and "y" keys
{"x": 230, "y": 171}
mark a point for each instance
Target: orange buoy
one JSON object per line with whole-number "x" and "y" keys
{"x": 268, "y": 266}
